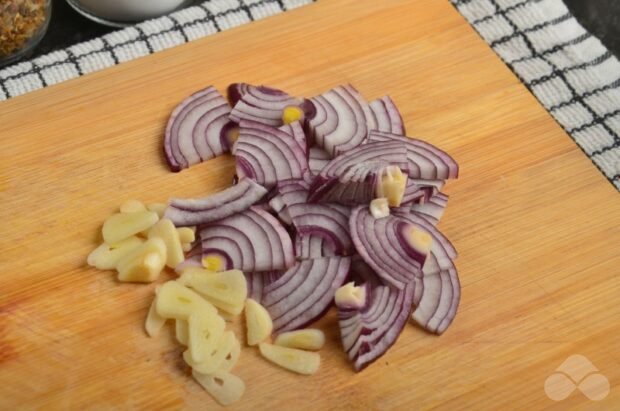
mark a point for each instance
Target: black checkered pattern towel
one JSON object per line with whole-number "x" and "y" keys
{"x": 140, "y": 40}
{"x": 570, "y": 72}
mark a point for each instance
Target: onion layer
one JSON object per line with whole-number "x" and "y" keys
{"x": 268, "y": 155}
{"x": 258, "y": 281}
{"x": 259, "y": 103}
{"x": 237, "y": 198}
{"x": 340, "y": 120}
{"x": 393, "y": 247}
{"x": 252, "y": 240}
{"x": 433, "y": 208}
{"x": 369, "y": 331}
{"x": 327, "y": 221}
{"x": 317, "y": 159}
{"x": 197, "y": 130}
{"x": 425, "y": 160}
{"x": 352, "y": 178}
{"x": 439, "y": 300}
{"x": 387, "y": 116}
{"x": 305, "y": 292}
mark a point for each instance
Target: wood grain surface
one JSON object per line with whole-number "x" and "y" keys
{"x": 536, "y": 225}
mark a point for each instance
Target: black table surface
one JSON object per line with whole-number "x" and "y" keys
{"x": 67, "y": 27}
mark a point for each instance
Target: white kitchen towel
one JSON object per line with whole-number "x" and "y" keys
{"x": 149, "y": 37}
{"x": 570, "y": 72}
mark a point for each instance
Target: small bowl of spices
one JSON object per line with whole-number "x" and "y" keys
{"x": 23, "y": 24}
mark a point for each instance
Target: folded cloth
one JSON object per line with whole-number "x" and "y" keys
{"x": 570, "y": 72}
{"x": 140, "y": 40}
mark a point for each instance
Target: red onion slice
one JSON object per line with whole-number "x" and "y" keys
{"x": 296, "y": 130}
{"x": 425, "y": 160}
{"x": 214, "y": 207}
{"x": 442, "y": 250}
{"x": 259, "y": 103}
{"x": 369, "y": 331}
{"x": 268, "y": 155}
{"x": 432, "y": 209}
{"x": 327, "y": 221}
{"x": 258, "y": 281}
{"x": 439, "y": 301}
{"x": 389, "y": 245}
{"x": 197, "y": 129}
{"x": 361, "y": 273}
{"x": 351, "y": 178}
{"x": 340, "y": 120}
{"x": 313, "y": 246}
{"x": 388, "y": 118}
{"x": 305, "y": 292}
{"x": 252, "y": 240}
{"x": 317, "y": 159}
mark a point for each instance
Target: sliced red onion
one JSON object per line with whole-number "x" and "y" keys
{"x": 198, "y": 129}
{"x": 296, "y": 130}
{"x": 432, "y": 209}
{"x": 425, "y": 160}
{"x": 259, "y": 103}
{"x": 388, "y": 118}
{"x": 317, "y": 159}
{"x": 392, "y": 246}
{"x": 361, "y": 273}
{"x": 258, "y": 281}
{"x": 439, "y": 301}
{"x": 305, "y": 292}
{"x": 442, "y": 251}
{"x": 369, "y": 331}
{"x": 268, "y": 155}
{"x": 313, "y": 246}
{"x": 327, "y": 221}
{"x": 351, "y": 178}
{"x": 340, "y": 121}
{"x": 289, "y": 192}
{"x": 384, "y": 152}
{"x": 199, "y": 211}
{"x": 252, "y": 240}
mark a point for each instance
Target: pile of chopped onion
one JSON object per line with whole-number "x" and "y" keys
{"x": 332, "y": 204}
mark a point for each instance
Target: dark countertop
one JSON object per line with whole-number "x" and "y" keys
{"x": 67, "y": 27}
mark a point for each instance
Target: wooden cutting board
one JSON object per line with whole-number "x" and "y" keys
{"x": 536, "y": 225}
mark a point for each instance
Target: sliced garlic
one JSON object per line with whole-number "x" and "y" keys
{"x": 258, "y": 322}
{"x": 299, "y": 361}
{"x": 205, "y": 330}
{"x": 179, "y": 302}
{"x": 159, "y": 208}
{"x": 308, "y": 339}
{"x": 226, "y": 290}
{"x": 106, "y": 257}
{"x": 391, "y": 185}
{"x": 350, "y": 296}
{"x": 379, "y": 207}
{"x": 165, "y": 230}
{"x": 132, "y": 206}
{"x": 187, "y": 234}
{"x": 216, "y": 358}
{"x": 144, "y": 263}
{"x": 226, "y": 388}
{"x": 154, "y": 322}
{"x": 123, "y": 225}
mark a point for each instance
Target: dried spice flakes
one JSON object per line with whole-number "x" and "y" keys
{"x": 20, "y": 20}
